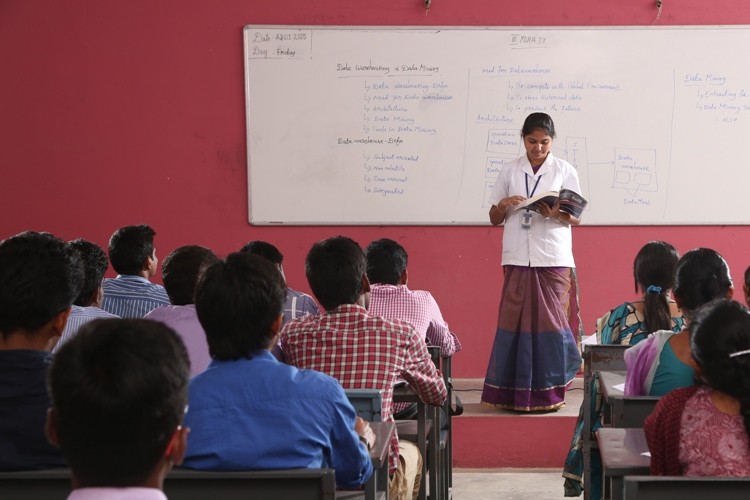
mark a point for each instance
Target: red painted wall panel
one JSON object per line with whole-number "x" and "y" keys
{"x": 114, "y": 113}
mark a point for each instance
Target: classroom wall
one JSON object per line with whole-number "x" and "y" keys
{"x": 114, "y": 113}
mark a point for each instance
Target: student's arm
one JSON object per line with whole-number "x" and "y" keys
{"x": 420, "y": 372}
{"x": 438, "y": 332}
{"x": 348, "y": 456}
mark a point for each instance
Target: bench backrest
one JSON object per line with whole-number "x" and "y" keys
{"x": 184, "y": 484}
{"x": 682, "y": 487}
{"x": 367, "y": 402}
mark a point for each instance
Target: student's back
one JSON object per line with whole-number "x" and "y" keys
{"x": 391, "y": 298}
{"x": 662, "y": 362}
{"x": 133, "y": 256}
{"x": 703, "y": 430}
{"x": 249, "y": 411}
{"x": 40, "y": 276}
{"x": 654, "y": 274}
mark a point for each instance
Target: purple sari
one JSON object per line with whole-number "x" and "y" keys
{"x": 535, "y": 355}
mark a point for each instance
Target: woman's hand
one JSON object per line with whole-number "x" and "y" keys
{"x": 497, "y": 212}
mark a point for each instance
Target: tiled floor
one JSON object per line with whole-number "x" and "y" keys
{"x": 507, "y": 484}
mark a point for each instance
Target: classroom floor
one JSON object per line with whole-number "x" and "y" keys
{"x": 507, "y": 484}
{"x": 510, "y": 483}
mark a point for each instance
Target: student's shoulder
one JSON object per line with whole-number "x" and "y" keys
{"x": 376, "y": 321}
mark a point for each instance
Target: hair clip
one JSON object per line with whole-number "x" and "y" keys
{"x": 653, "y": 289}
{"x": 739, "y": 353}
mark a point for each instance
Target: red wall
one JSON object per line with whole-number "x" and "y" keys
{"x": 114, "y": 113}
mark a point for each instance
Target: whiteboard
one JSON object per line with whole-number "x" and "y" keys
{"x": 363, "y": 125}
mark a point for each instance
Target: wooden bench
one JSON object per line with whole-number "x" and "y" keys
{"x": 685, "y": 488}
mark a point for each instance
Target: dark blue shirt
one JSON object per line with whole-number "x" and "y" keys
{"x": 23, "y": 411}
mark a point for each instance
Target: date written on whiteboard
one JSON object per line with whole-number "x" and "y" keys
{"x": 521, "y": 41}
{"x": 278, "y": 44}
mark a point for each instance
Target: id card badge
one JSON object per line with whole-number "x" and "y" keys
{"x": 526, "y": 221}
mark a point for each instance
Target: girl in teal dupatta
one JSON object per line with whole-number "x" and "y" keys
{"x": 627, "y": 324}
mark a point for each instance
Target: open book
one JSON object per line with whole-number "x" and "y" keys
{"x": 570, "y": 202}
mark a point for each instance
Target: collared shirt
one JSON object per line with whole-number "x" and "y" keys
{"x": 131, "y": 493}
{"x": 259, "y": 413}
{"x": 298, "y": 304}
{"x": 418, "y": 308}
{"x": 364, "y": 351}
{"x": 79, "y": 316}
{"x": 132, "y": 296}
{"x": 184, "y": 320}
{"x": 548, "y": 243}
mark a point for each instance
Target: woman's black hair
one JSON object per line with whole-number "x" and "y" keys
{"x": 541, "y": 121}
{"x": 702, "y": 275}
{"x": 720, "y": 342}
{"x": 653, "y": 270}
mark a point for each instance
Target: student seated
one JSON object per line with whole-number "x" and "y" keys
{"x": 179, "y": 272}
{"x": 703, "y": 430}
{"x": 87, "y": 305}
{"x": 362, "y": 350}
{"x": 248, "y": 411}
{"x": 119, "y": 394}
{"x": 297, "y": 303}
{"x": 133, "y": 257}
{"x": 391, "y": 298}
{"x": 627, "y": 324}
{"x": 662, "y": 362}
{"x": 40, "y": 276}
{"x": 654, "y": 273}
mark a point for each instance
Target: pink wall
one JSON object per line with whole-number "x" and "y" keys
{"x": 114, "y": 113}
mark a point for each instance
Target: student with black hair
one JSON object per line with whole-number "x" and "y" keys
{"x": 297, "y": 303}
{"x": 133, "y": 256}
{"x": 654, "y": 275}
{"x": 703, "y": 430}
{"x": 87, "y": 305}
{"x": 40, "y": 277}
{"x": 662, "y": 362}
{"x": 180, "y": 271}
{"x": 360, "y": 349}
{"x": 391, "y": 297}
{"x": 119, "y": 395}
{"x": 627, "y": 324}
{"x": 249, "y": 411}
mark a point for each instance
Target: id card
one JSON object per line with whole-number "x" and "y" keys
{"x": 526, "y": 221}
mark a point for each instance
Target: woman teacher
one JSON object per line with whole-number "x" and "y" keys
{"x": 535, "y": 355}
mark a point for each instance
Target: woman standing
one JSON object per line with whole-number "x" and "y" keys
{"x": 535, "y": 355}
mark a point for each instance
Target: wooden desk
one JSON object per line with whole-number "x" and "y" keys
{"x": 595, "y": 358}
{"x": 428, "y": 432}
{"x": 622, "y": 410}
{"x": 622, "y": 455}
{"x": 379, "y": 482}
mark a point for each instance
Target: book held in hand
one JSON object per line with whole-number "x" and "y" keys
{"x": 570, "y": 202}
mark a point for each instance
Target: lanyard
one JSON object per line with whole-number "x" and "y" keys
{"x": 526, "y": 178}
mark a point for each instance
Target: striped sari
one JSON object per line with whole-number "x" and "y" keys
{"x": 535, "y": 355}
